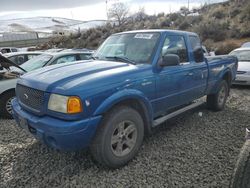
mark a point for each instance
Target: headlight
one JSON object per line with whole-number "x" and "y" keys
{"x": 65, "y": 104}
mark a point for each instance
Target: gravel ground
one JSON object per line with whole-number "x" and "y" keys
{"x": 189, "y": 151}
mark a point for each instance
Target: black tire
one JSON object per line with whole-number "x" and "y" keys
{"x": 216, "y": 102}
{"x": 103, "y": 151}
{"x": 4, "y": 99}
{"x": 241, "y": 175}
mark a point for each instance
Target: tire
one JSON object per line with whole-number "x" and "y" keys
{"x": 216, "y": 102}
{"x": 241, "y": 175}
{"x": 5, "y": 108}
{"x": 119, "y": 137}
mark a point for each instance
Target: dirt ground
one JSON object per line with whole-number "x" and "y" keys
{"x": 197, "y": 149}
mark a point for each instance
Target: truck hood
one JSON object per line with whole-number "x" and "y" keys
{"x": 90, "y": 74}
{"x": 244, "y": 66}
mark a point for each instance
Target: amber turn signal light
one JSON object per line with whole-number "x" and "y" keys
{"x": 74, "y": 105}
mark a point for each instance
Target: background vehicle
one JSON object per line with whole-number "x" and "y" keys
{"x": 21, "y": 57}
{"x": 52, "y": 50}
{"x": 53, "y": 58}
{"x": 9, "y": 75}
{"x": 8, "y": 50}
{"x": 137, "y": 80}
{"x": 246, "y": 45}
{"x": 243, "y": 72}
{"x": 241, "y": 176}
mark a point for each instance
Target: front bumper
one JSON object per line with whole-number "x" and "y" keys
{"x": 56, "y": 133}
{"x": 242, "y": 79}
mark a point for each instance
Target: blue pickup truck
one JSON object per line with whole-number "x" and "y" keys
{"x": 135, "y": 81}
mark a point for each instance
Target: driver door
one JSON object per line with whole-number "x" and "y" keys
{"x": 171, "y": 81}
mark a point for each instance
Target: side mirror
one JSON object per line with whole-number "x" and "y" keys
{"x": 170, "y": 60}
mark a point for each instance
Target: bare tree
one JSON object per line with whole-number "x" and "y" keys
{"x": 118, "y": 12}
{"x": 140, "y": 15}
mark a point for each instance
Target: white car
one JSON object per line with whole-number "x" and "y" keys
{"x": 243, "y": 72}
{"x": 246, "y": 45}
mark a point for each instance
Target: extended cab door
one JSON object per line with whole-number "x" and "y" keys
{"x": 198, "y": 69}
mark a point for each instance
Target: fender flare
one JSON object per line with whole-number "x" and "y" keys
{"x": 220, "y": 78}
{"x": 123, "y": 95}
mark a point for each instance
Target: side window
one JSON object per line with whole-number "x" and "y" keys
{"x": 13, "y": 50}
{"x": 85, "y": 56}
{"x": 30, "y": 56}
{"x": 175, "y": 45}
{"x": 65, "y": 59}
{"x": 197, "y": 49}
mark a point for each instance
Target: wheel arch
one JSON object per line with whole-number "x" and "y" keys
{"x": 225, "y": 75}
{"x": 7, "y": 91}
{"x": 131, "y": 98}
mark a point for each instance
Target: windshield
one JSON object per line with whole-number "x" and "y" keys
{"x": 134, "y": 47}
{"x": 36, "y": 62}
{"x": 243, "y": 55}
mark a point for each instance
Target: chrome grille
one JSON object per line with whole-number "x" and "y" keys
{"x": 32, "y": 98}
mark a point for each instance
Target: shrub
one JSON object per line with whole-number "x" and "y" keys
{"x": 225, "y": 47}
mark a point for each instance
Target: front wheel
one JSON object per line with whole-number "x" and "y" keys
{"x": 217, "y": 101}
{"x": 5, "y": 104}
{"x": 119, "y": 138}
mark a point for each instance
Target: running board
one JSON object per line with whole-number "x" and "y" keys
{"x": 175, "y": 113}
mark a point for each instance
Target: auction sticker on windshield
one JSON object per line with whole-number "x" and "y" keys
{"x": 143, "y": 36}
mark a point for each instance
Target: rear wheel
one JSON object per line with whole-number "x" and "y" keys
{"x": 241, "y": 176}
{"x": 217, "y": 101}
{"x": 119, "y": 138}
{"x": 5, "y": 104}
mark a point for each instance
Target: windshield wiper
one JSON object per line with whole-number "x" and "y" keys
{"x": 123, "y": 59}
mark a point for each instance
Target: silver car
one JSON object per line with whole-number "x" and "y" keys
{"x": 10, "y": 72}
{"x": 21, "y": 57}
{"x": 243, "y": 72}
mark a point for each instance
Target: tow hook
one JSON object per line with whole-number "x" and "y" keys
{"x": 247, "y": 134}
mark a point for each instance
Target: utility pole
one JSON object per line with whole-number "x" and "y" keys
{"x": 188, "y": 5}
{"x": 107, "y": 9}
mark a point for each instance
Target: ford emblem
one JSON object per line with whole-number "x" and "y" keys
{"x": 26, "y": 96}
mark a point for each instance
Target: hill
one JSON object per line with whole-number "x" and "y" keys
{"x": 222, "y": 26}
{"x": 46, "y": 25}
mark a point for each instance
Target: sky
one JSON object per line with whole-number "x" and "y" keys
{"x": 87, "y": 10}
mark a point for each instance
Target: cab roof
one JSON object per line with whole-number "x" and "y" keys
{"x": 160, "y": 31}
{"x": 67, "y": 53}
{"x": 22, "y": 53}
